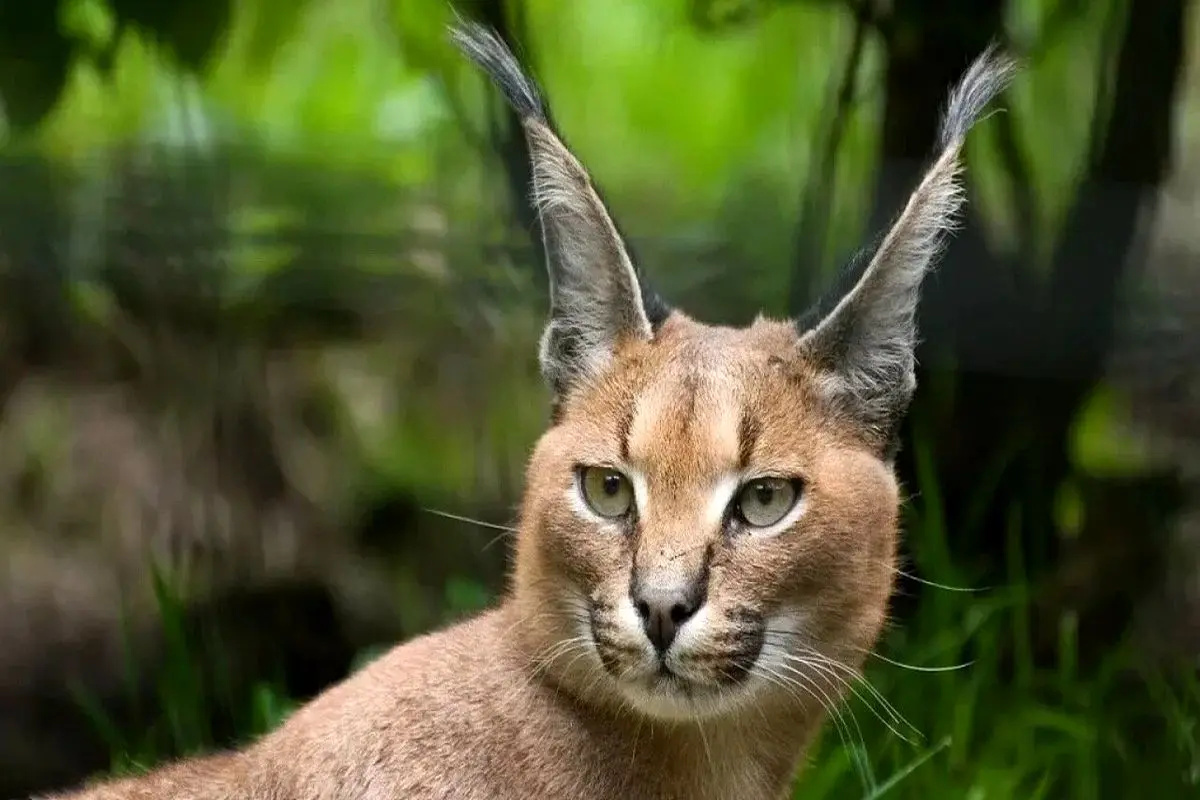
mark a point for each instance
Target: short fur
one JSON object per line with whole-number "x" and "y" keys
{"x": 558, "y": 691}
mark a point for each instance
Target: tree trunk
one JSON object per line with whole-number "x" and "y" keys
{"x": 1021, "y": 366}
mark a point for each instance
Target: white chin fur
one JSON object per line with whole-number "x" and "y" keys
{"x": 673, "y": 703}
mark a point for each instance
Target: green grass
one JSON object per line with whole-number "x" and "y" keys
{"x": 177, "y": 719}
{"x": 1028, "y": 732}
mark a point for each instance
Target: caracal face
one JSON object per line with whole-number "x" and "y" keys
{"x": 713, "y": 530}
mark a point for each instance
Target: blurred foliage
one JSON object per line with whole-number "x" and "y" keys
{"x": 333, "y": 160}
{"x": 372, "y": 85}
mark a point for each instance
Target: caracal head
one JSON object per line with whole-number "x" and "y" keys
{"x": 711, "y": 518}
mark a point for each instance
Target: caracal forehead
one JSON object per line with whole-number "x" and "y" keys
{"x": 696, "y": 398}
{"x": 686, "y": 419}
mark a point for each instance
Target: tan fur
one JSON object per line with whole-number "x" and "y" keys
{"x": 557, "y": 692}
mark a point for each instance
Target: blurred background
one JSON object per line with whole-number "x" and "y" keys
{"x": 269, "y": 301}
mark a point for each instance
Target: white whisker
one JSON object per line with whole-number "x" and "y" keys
{"x": 825, "y": 670}
{"x": 790, "y": 684}
{"x": 859, "y": 678}
{"x": 505, "y": 530}
{"x": 916, "y": 668}
{"x": 936, "y": 585}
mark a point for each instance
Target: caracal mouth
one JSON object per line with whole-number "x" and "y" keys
{"x": 663, "y": 689}
{"x": 664, "y": 694}
{"x": 697, "y": 677}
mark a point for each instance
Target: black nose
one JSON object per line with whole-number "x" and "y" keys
{"x": 663, "y": 612}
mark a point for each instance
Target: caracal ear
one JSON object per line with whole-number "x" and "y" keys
{"x": 596, "y": 297}
{"x": 863, "y": 349}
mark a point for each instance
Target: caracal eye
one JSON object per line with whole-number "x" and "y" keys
{"x": 762, "y": 502}
{"x": 606, "y": 491}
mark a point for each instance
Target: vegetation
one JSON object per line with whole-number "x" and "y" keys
{"x": 746, "y": 146}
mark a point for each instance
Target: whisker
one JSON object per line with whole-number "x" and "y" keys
{"x": 471, "y": 520}
{"x": 790, "y": 686}
{"x": 850, "y": 678}
{"x": 528, "y": 618}
{"x": 505, "y": 530}
{"x": 581, "y": 647}
{"x": 712, "y": 766}
{"x": 836, "y": 714}
{"x": 859, "y": 678}
{"x": 825, "y": 666}
{"x": 833, "y": 676}
{"x": 559, "y": 650}
{"x": 637, "y": 733}
{"x": 916, "y": 668}
{"x": 936, "y": 585}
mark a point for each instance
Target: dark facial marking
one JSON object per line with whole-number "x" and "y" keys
{"x": 749, "y": 429}
{"x": 600, "y": 619}
{"x": 691, "y": 387}
{"x": 750, "y": 646}
{"x": 745, "y": 642}
{"x": 624, "y": 426}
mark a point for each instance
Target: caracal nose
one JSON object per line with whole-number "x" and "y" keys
{"x": 663, "y": 612}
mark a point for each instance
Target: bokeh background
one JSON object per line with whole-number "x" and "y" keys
{"x": 269, "y": 299}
